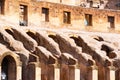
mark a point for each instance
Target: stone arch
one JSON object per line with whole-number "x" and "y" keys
{"x": 11, "y": 70}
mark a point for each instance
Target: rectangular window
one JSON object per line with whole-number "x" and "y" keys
{"x": 2, "y": 2}
{"x": 66, "y": 17}
{"x": 45, "y": 13}
{"x": 88, "y": 19}
{"x": 23, "y": 15}
{"x": 111, "y": 21}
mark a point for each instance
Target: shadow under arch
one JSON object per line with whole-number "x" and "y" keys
{"x": 10, "y": 66}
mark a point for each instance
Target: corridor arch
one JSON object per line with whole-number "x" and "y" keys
{"x": 10, "y": 66}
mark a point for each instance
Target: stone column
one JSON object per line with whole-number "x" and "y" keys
{"x": 92, "y": 73}
{"x": 53, "y": 72}
{"x": 111, "y": 73}
{"x": 117, "y": 74}
{"x": 19, "y": 73}
{"x": 68, "y": 68}
{"x": 64, "y": 71}
{"x": 71, "y": 72}
{"x": 77, "y": 73}
{"x": 34, "y": 71}
{"x": 83, "y": 72}
{"x": 74, "y": 72}
{"x": 57, "y": 72}
{"x": 101, "y": 73}
{"x": 107, "y": 73}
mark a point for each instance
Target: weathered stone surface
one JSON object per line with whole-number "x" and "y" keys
{"x": 27, "y": 41}
{"x": 51, "y": 50}
{"x": 36, "y": 43}
{"x": 42, "y": 39}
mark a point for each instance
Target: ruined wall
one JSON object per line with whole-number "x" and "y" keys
{"x": 99, "y": 17}
{"x": 77, "y": 16}
{"x": 56, "y": 52}
{"x": 50, "y": 54}
{"x": 113, "y": 4}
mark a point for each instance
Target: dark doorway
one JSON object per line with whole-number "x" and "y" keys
{"x": 2, "y": 5}
{"x": 23, "y": 15}
{"x": 88, "y": 19}
{"x": 66, "y": 17}
{"x": 8, "y": 70}
{"x": 111, "y": 21}
{"x": 45, "y": 13}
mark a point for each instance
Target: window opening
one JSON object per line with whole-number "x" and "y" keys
{"x": 2, "y": 4}
{"x": 111, "y": 21}
{"x": 23, "y": 15}
{"x": 45, "y": 13}
{"x": 88, "y": 19}
{"x": 66, "y": 17}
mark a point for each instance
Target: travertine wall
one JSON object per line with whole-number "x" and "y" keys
{"x": 77, "y": 16}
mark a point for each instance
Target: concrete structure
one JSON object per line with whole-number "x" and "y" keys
{"x": 49, "y": 40}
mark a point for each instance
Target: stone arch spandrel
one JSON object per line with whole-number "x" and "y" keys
{"x": 43, "y": 39}
{"x": 14, "y": 56}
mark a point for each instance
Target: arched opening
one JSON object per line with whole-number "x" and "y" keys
{"x": 8, "y": 68}
{"x": 2, "y": 6}
{"x": 33, "y": 35}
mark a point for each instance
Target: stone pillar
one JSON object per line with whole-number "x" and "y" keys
{"x": 57, "y": 73}
{"x": 92, "y": 73}
{"x": 71, "y": 72}
{"x": 74, "y": 72}
{"x": 19, "y": 73}
{"x": 50, "y": 72}
{"x": 107, "y": 73}
{"x": 101, "y": 73}
{"x": 64, "y": 71}
{"x": 117, "y": 74}
{"x": 68, "y": 68}
{"x": 53, "y": 72}
{"x": 111, "y": 73}
{"x": 38, "y": 73}
{"x": 83, "y": 72}
{"x": 34, "y": 71}
{"x": 77, "y": 73}
{"x": 44, "y": 71}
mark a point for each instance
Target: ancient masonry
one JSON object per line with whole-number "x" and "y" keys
{"x": 41, "y": 40}
{"x": 44, "y": 54}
